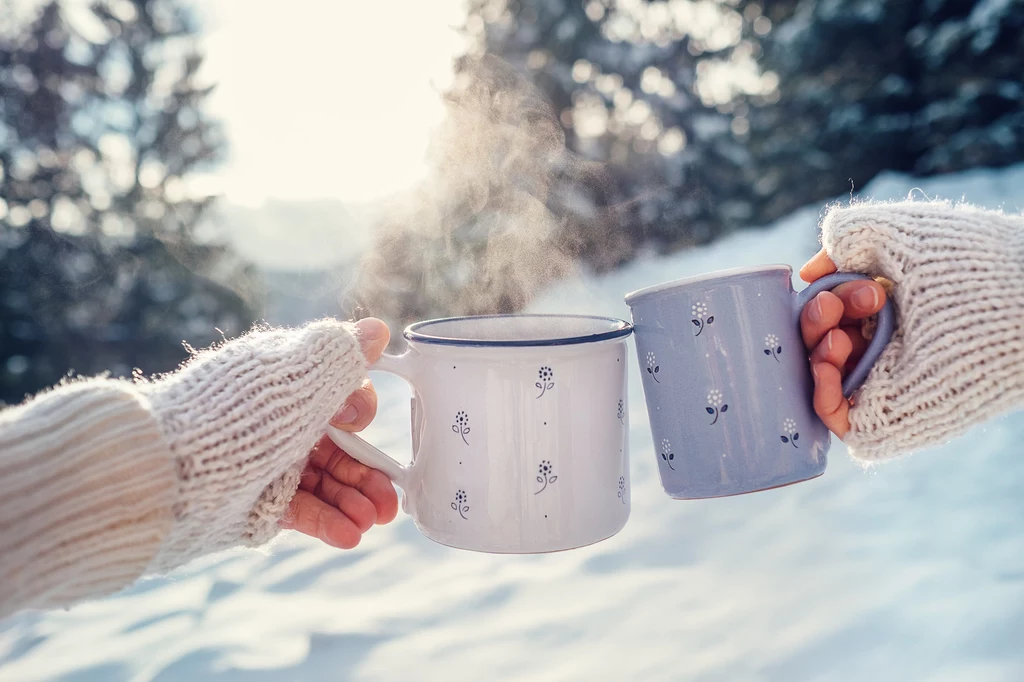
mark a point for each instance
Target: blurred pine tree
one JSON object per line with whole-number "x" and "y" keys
{"x": 583, "y": 131}
{"x": 102, "y": 267}
{"x": 716, "y": 114}
{"x": 920, "y": 87}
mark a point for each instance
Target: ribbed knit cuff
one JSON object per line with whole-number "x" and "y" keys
{"x": 87, "y": 490}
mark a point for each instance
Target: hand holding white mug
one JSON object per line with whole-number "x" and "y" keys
{"x": 339, "y": 498}
{"x": 519, "y": 431}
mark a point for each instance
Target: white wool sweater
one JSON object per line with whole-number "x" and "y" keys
{"x": 957, "y": 358}
{"x": 104, "y": 481}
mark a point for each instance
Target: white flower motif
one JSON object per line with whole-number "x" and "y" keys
{"x": 771, "y": 341}
{"x": 650, "y": 359}
{"x": 667, "y": 455}
{"x": 715, "y": 398}
{"x": 699, "y": 309}
{"x": 789, "y": 426}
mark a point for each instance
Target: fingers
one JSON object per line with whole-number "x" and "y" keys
{"x": 860, "y": 299}
{"x": 359, "y": 410}
{"x": 829, "y": 403}
{"x": 374, "y": 336}
{"x": 322, "y": 453}
{"x": 819, "y": 316}
{"x": 834, "y": 349}
{"x": 347, "y": 500}
{"x": 817, "y": 267}
{"x": 374, "y": 485}
{"x": 858, "y": 344}
{"x": 330, "y": 460}
{"x": 310, "y": 515}
{"x": 847, "y": 302}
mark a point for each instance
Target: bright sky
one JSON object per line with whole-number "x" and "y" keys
{"x": 326, "y": 98}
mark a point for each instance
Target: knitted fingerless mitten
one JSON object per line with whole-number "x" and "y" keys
{"x": 240, "y": 421}
{"x": 957, "y": 358}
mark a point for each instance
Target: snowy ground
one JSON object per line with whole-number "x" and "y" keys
{"x": 912, "y": 571}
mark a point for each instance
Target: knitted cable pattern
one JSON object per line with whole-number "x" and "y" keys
{"x": 240, "y": 421}
{"x": 957, "y": 358}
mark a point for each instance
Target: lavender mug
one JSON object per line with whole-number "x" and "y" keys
{"x": 727, "y": 382}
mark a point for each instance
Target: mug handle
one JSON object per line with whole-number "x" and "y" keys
{"x": 363, "y": 452}
{"x": 884, "y": 331}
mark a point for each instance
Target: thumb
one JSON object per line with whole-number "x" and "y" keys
{"x": 373, "y": 337}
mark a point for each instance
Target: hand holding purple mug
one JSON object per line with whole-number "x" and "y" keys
{"x": 728, "y": 387}
{"x": 831, "y": 327}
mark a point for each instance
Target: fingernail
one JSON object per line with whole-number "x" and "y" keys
{"x": 370, "y": 328}
{"x": 866, "y": 297}
{"x": 347, "y": 415}
{"x": 829, "y": 338}
{"x": 814, "y": 371}
{"x": 814, "y": 312}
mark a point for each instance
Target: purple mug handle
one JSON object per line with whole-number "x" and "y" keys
{"x": 886, "y": 325}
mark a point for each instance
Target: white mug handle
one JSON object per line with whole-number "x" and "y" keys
{"x": 367, "y": 454}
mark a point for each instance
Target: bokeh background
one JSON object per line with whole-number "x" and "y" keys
{"x": 172, "y": 172}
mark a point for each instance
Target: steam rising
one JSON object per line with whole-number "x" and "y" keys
{"x": 505, "y": 211}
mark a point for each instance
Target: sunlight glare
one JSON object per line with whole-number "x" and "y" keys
{"x": 327, "y": 100}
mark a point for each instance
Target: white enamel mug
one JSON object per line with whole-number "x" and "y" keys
{"x": 519, "y": 431}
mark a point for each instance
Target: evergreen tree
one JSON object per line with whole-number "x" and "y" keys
{"x": 636, "y": 124}
{"x": 101, "y": 126}
{"x": 920, "y": 87}
{"x": 637, "y": 88}
{"x": 576, "y": 133}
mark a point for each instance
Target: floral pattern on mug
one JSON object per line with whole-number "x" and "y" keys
{"x": 789, "y": 428}
{"x": 666, "y": 453}
{"x": 547, "y": 380}
{"x": 621, "y": 413}
{"x": 545, "y": 475}
{"x": 622, "y": 489}
{"x": 716, "y": 405}
{"x": 461, "y": 425}
{"x": 460, "y": 505}
{"x": 773, "y": 348}
{"x": 652, "y": 366}
{"x": 700, "y": 317}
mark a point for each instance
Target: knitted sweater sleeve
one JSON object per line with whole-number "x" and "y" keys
{"x": 103, "y": 481}
{"x": 957, "y": 358}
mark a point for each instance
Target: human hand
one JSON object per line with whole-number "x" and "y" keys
{"x": 831, "y": 328}
{"x": 339, "y": 499}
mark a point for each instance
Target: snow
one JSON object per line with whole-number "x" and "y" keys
{"x": 910, "y": 571}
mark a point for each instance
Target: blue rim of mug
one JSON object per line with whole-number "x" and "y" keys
{"x": 634, "y": 296}
{"x": 617, "y": 329}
